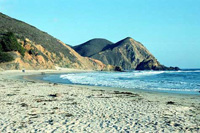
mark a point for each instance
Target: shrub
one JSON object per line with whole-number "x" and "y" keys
{"x": 22, "y": 51}
{"x": 9, "y": 43}
{"x": 1, "y": 49}
{"x": 5, "y": 57}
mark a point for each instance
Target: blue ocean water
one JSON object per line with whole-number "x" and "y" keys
{"x": 185, "y": 81}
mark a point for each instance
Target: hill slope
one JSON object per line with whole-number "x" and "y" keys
{"x": 92, "y": 47}
{"x": 42, "y": 50}
{"x": 128, "y": 54}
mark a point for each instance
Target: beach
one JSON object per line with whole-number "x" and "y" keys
{"x": 35, "y": 106}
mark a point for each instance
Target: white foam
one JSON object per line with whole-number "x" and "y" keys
{"x": 129, "y": 80}
{"x": 147, "y": 73}
{"x": 195, "y": 71}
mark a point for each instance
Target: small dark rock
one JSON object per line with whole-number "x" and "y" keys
{"x": 55, "y": 84}
{"x": 10, "y": 95}
{"x": 170, "y": 102}
{"x": 55, "y": 95}
{"x": 68, "y": 115}
{"x": 74, "y": 103}
{"x": 24, "y": 105}
{"x": 119, "y": 69}
{"x": 89, "y": 96}
{"x": 99, "y": 90}
{"x": 127, "y": 93}
{"x": 50, "y": 122}
{"x": 176, "y": 124}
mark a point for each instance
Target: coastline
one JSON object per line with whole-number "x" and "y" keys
{"x": 41, "y": 106}
{"x": 37, "y": 78}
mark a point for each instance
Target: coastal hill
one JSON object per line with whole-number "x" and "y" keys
{"x": 127, "y": 54}
{"x": 31, "y": 48}
{"x": 92, "y": 47}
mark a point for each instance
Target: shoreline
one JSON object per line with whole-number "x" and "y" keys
{"x": 35, "y": 78}
{"x": 43, "y": 106}
{"x": 112, "y": 89}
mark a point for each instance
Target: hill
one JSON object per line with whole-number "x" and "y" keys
{"x": 42, "y": 51}
{"x": 127, "y": 54}
{"x": 92, "y": 47}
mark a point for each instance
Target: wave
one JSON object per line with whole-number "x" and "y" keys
{"x": 172, "y": 89}
{"x": 147, "y": 73}
{"x": 127, "y": 80}
{"x": 194, "y": 71}
{"x": 165, "y": 81}
{"x": 151, "y": 73}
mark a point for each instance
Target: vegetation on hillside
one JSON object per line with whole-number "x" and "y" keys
{"x": 24, "y": 30}
{"x": 9, "y": 43}
{"x": 5, "y": 57}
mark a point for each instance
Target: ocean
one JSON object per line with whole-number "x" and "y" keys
{"x": 185, "y": 81}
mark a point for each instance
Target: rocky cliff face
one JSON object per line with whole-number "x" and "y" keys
{"x": 42, "y": 50}
{"x": 128, "y": 54}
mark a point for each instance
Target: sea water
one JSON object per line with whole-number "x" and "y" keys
{"x": 184, "y": 81}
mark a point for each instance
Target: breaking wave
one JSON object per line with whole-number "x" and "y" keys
{"x": 187, "y": 82}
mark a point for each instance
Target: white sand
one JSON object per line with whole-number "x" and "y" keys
{"x": 28, "y": 107}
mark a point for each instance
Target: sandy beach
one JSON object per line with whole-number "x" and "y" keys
{"x": 33, "y": 106}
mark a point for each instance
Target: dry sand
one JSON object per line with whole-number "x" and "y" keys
{"x": 31, "y": 106}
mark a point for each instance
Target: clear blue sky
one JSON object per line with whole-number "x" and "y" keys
{"x": 170, "y": 29}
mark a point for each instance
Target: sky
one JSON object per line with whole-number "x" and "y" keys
{"x": 169, "y": 29}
